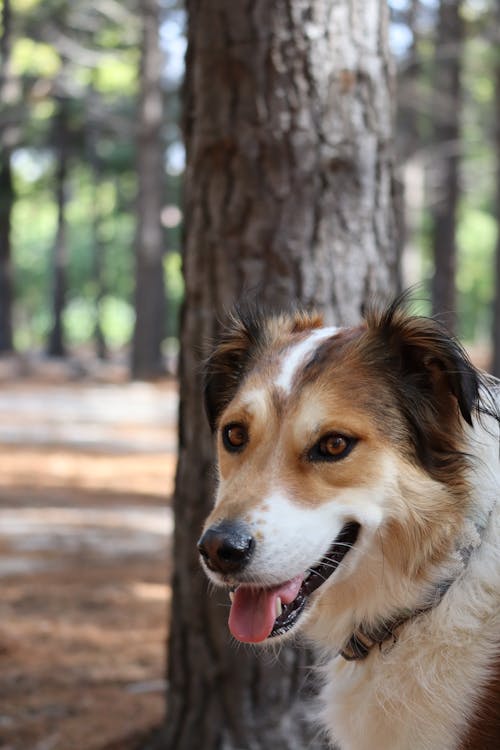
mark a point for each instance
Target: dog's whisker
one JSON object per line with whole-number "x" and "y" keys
{"x": 331, "y": 567}
{"x": 332, "y": 563}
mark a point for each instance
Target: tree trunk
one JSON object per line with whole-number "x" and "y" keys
{"x": 496, "y": 304}
{"x": 409, "y": 94}
{"x": 6, "y": 189}
{"x": 98, "y": 275}
{"x": 56, "y": 346}
{"x": 98, "y": 247}
{"x": 6, "y": 203}
{"x": 150, "y": 285}
{"x": 287, "y": 196}
{"x": 445, "y": 170}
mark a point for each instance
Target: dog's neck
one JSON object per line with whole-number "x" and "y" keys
{"x": 385, "y": 633}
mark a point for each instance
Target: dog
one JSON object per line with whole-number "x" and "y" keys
{"x": 358, "y": 505}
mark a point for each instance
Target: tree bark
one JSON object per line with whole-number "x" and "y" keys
{"x": 150, "y": 285}
{"x": 6, "y": 188}
{"x": 6, "y": 203}
{"x": 495, "y": 368}
{"x": 288, "y": 196}
{"x": 56, "y": 346}
{"x": 98, "y": 258}
{"x": 98, "y": 247}
{"x": 409, "y": 106}
{"x": 446, "y": 164}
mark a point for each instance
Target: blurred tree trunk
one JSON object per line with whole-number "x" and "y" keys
{"x": 98, "y": 273}
{"x": 288, "y": 192}
{"x": 6, "y": 203}
{"x": 6, "y": 187}
{"x": 446, "y": 163}
{"x": 150, "y": 285}
{"x": 56, "y": 346}
{"x": 98, "y": 247}
{"x": 496, "y": 119}
{"x": 409, "y": 94}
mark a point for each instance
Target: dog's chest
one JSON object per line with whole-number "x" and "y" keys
{"x": 361, "y": 713}
{"x": 422, "y": 695}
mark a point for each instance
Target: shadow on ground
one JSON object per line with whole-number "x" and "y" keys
{"x": 86, "y": 473}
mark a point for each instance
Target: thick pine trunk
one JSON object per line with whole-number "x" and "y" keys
{"x": 288, "y": 196}
{"x": 446, "y": 187}
{"x": 150, "y": 286}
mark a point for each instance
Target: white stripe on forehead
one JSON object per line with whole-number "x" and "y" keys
{"x": 294, "y": 356}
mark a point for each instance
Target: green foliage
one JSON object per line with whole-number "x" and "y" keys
{"x": 117, "y": 320}
{"x": 33, "y": 230}
{"x": 117, "y": 74}
{"x": 476, "y": 229}
{"x": 174, "y": 283}
{"x": 79, "y": 320}
{"x": 34, "y": 58}
{"x": 34, "y": 226}
{"x": 476, "y": 238}
{"x": 88, "y": 56}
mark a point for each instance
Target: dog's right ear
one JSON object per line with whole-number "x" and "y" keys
{"x": 228, "y": 363}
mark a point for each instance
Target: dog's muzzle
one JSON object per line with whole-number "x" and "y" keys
{"x": 259, "y": 611}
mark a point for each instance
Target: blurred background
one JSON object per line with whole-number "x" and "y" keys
{"x": 83, "y": 109}
{"x": 76, "y": 126}
{"x": 91, "y": 169}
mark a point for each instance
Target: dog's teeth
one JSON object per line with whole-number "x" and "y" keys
{"x": 279, "y": 608}
{"x": 231, "y": 595}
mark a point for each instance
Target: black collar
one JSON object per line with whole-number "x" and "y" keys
{"x": 385, "y": 634}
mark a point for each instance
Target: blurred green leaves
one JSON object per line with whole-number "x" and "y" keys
{"x": 89, "y": 55}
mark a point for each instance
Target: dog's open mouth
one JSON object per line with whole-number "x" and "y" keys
{"x": 261, "y": 613}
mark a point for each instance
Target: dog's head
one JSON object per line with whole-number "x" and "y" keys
{"x": 335, "y": 446}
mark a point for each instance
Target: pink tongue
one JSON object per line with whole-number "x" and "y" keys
{"x": 253, "y": 610}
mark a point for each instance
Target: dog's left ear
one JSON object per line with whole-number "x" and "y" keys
{"x": 226, "y": 366}
{"x": 433, "y": 368}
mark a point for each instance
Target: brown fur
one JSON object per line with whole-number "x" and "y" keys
{"x": 414, "y": 367}
{"x": 433, "y": 524}
{"x": 247, "y": 335}
{"x": 484, "y": 732}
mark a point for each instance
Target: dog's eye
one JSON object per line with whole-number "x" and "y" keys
{"x": 234, "y": 437}
{"x": 331, "y": 447}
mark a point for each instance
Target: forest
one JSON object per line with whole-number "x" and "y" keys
{"x": 73, "y": 89}
{"x": 91, "y": 99}
{"x": 160, "y": 162}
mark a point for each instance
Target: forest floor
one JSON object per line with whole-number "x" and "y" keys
{"x": 86, "y": 473}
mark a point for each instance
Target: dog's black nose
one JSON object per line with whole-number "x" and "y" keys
{"x": 226, "y": 547}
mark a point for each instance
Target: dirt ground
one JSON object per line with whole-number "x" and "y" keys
{"x": 85, "y": 477}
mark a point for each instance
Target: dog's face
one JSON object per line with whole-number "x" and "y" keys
{"x": 334, "y": 446}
